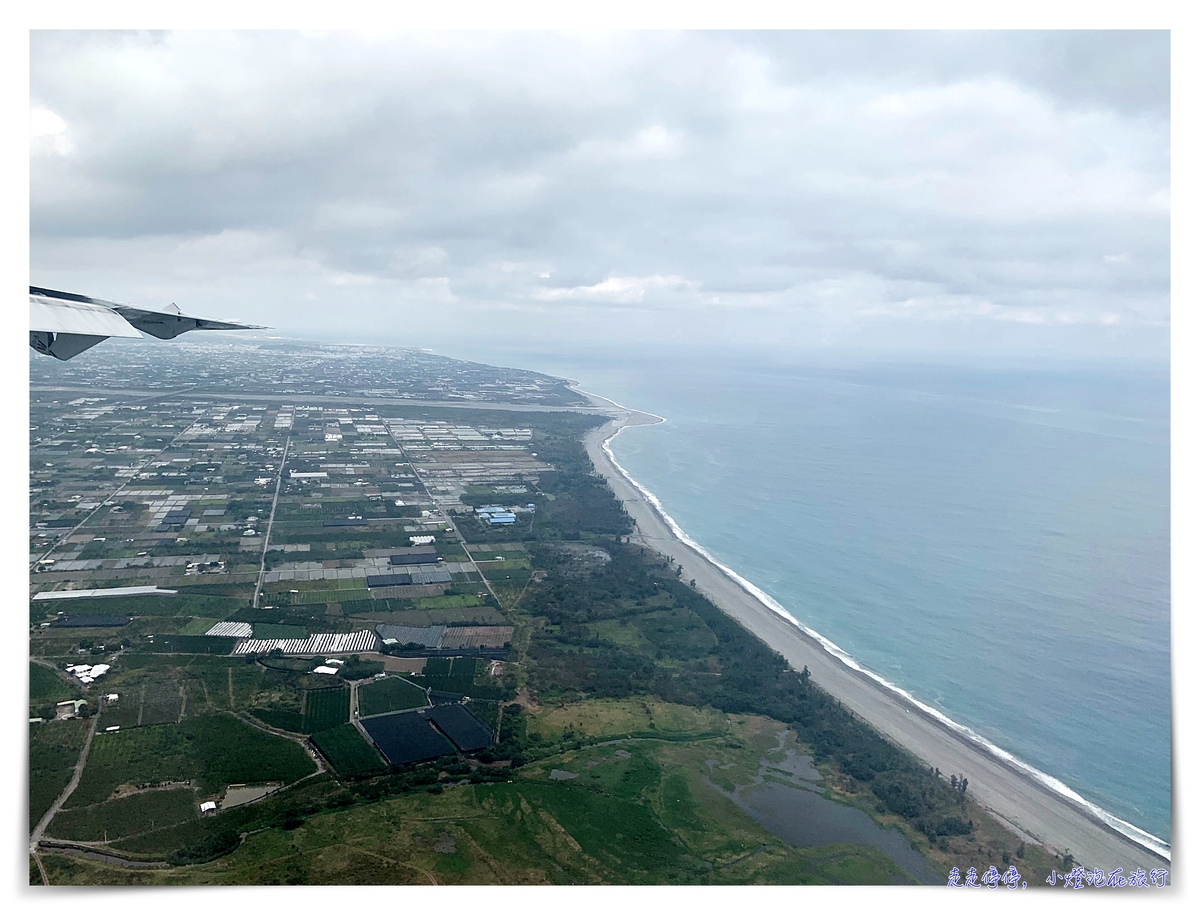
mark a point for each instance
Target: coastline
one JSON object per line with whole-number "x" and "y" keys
{"x": 1036, "y": 806}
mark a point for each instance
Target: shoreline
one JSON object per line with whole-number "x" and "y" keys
{"x": 1035, "y": 805}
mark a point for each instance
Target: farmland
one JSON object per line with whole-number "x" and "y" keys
{"x": 348, "y": 752}
{"x": 621, "y": 705}
{"x": 45, "y": 689}
{"x": 322, "y": 709}
{"x": 457, "y": 675}
{"x": 126, "y": 816}
{"x": 215, "y": 750}
{"x": 53, "y": 751}
{"x": 391, "y": 694}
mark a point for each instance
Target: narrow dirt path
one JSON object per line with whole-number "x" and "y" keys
{"x": 40, "y": 830}
{"x": 37, "y": 859}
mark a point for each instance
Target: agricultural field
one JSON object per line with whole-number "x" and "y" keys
{"x": 447, "y": 602}
{"x": 602, "y": 719}
{"x": 187, "y": 603}
{"x": 320, "y": 710}
{"x": 348, "y": 752}
{"x": 54, "y": 748}
{"x": 46, "y": 688}
{"x": 279, "y": 631}
{"x": 391, "y": 694}
{"x": 481, "y": 615}
{"x": 126, "y": 816}
{"x": 459, "y": 675}
{"x": 214, "y": 750}
{"x": 326, "y": 708}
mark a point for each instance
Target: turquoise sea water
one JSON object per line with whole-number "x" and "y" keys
{"x": 995, "y": 542}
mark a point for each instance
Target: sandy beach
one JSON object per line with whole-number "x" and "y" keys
{"x": 1033, "y": 810}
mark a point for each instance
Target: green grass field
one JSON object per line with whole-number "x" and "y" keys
{"x": 348, "y": 752}
{"x": 389, "y": 695}
{"x": 123, "y": 713}
{"x": 216, "y": 750}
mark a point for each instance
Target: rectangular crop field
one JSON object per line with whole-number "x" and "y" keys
{"x": 161, "y": 702}
{"x": 406, "y": 737}
{"x": 325, "y": 708}
{"x": 192, "y": 644}
{"x": 457, "y": 675}
{"x": 390, "y": 695}
{"x": 348, "y": 752}
{"x": 216, "y": 750}
{"x": 279, "y": 631}
{"x": 126, "y": 816}
{"x": 123, "y": 713}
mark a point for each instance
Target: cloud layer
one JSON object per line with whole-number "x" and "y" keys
{"x": 882, "y": 190}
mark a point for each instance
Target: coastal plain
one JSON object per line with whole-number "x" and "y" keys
{"x": 317, "y": 620}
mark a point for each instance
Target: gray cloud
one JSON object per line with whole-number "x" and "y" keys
{"x": 792, "y": 188}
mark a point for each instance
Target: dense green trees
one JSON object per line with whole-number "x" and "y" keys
{"x": 687, "y": 651}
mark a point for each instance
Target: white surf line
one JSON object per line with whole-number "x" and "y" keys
{"x": 1131, "y": 832}
{"x": 660, "y": 419}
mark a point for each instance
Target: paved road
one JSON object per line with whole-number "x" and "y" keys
{"x": 262, "y": 565}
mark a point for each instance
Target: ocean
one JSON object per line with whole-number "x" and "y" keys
{"x": 996, "y": 542}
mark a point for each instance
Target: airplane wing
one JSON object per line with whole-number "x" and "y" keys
{"x": 171, "y": 322}
{"x": 65, "y": 328}
{"x": 64, "y": 324}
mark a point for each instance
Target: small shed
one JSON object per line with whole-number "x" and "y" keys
{"x": 208, "y": 807}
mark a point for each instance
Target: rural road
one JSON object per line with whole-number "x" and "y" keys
{"x": 35, "y": 837}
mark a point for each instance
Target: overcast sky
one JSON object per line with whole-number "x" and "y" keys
{"x": 908, "y": 193}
